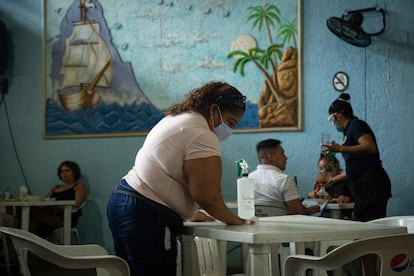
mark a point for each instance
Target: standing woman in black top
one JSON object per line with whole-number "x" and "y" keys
{"x": 368, "y": 179}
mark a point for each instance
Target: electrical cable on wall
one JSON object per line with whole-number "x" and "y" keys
{"x": 365, "y": 86}
{"x": 6, "y": 76}
{"x": 3, "y": 100}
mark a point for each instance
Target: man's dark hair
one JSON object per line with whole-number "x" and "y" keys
{"x": 267, "y": 144}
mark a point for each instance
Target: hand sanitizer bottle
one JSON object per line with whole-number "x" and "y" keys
{"x": 7, "y": 193}
{"x": 23, "y": 192}
{"x": 245, "y": 191}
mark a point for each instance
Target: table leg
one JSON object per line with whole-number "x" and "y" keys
{"x": 260, "y": 259}
{"x": 25, "y": 223}
{"x": 25, "y": 218}
{"x": 67, "y": 222}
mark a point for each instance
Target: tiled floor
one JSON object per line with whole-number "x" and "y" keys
{"x": 46, "y": 269}
{"x": 43, "y": 268}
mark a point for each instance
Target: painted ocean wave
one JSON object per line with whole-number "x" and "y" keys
{"x": 115, "y": 118}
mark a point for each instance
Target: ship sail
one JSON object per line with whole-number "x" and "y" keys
{"x": 86, "y": 64}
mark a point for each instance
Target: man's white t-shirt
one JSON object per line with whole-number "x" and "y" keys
{"x": 158, "y": 172}
{"x": 272, "y": 187}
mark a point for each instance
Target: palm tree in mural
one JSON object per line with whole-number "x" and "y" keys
{"x": 278, "y": 103}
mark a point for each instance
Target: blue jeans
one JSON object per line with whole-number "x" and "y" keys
{"x": 144, "y": 232}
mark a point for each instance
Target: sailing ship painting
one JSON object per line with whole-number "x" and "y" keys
{"x": 94, "y": 91}
{"x": 86, "y": 64}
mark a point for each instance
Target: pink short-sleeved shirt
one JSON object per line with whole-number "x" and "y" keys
{"x": 158, "y": 171}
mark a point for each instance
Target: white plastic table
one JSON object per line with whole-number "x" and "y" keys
{"x": 296, "y": 229}
{"x": 336, "y": 208}
{"x": 26, "y": 204}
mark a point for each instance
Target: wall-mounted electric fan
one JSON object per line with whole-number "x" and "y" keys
{"x": 348, "y": 27}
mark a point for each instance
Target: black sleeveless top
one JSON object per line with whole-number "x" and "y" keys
{"x": 68, "y": 194}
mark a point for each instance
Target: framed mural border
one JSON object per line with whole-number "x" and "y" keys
{"x": 299, "y": 125}
{"x": 284, "y": 128}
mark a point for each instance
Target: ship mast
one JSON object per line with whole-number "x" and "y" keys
{"x": 83, "y": 9}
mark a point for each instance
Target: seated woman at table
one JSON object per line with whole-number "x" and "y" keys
{"x": 339, "y": 191}
{"x": 45, "y": 220}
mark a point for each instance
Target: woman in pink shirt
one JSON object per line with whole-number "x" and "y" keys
{"x": 177, "y": 171}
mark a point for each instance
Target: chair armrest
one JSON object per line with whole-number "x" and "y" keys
{"x": 83, "y": 250}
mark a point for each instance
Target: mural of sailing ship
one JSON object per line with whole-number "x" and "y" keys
{"x": 90, "y": 90}
{"x": 95, "y": 92}
{"x": 86, "y": 64}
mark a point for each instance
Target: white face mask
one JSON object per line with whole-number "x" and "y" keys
{"x": 223, "y": 131}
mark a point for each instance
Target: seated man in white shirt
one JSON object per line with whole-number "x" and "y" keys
{"x": 275, "y": 193}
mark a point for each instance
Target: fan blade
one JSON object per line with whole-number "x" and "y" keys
{"x": 343, "y": 29}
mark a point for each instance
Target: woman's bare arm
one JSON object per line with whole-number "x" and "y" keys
{"x": 80, "y": 195}
{"x": 295, "y": 207}
{"x": 203, "y": 178}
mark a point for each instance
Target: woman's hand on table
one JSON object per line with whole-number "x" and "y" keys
{"x": 241, "y": 221}
{"x": 200, "y": 216}
{"x": 342, "y": 199}
{"x": 250, "y": 221}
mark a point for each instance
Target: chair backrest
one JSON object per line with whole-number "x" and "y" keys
{"x": 407, "y": 221}
{"x": 74, "y": 210}
{"x": 270, "y": 211}
{"x": 396, "y": 253}
{"x": 208, "y": 257}
{"x": 69, "y": 256}
{"x": 209, "y": 260}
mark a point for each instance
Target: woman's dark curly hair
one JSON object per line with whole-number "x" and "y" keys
{"x": 200, "y": 99}
{"x": 73, "y": 166}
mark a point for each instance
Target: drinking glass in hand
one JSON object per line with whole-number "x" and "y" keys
{"x": 325, "y": 138}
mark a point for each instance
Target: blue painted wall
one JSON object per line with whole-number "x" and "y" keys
{"x": 380, "y": 86}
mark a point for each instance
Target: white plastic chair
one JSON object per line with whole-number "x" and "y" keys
{"x": 322, "y": 247}
{"x": 4, "y": 253}
{"x": 394, "y": 251}
{"x": 57, "y": 235}
{"x": 208, "y": 257}
{"x": 407, "y": 221}
{"x": 209, "y": 260}
{"x": 4, "y": 249}
{"x": 65, "y": 256}
{"x": 179, "y": 258}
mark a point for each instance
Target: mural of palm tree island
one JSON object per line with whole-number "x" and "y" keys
{"x": 113, "y": 68}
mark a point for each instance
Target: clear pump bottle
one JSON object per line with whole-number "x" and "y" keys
{"x": 245, "y": 191}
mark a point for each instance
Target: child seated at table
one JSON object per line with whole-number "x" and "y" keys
{"x": 339, "y": 191}
{"x": 45, "y": 220}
